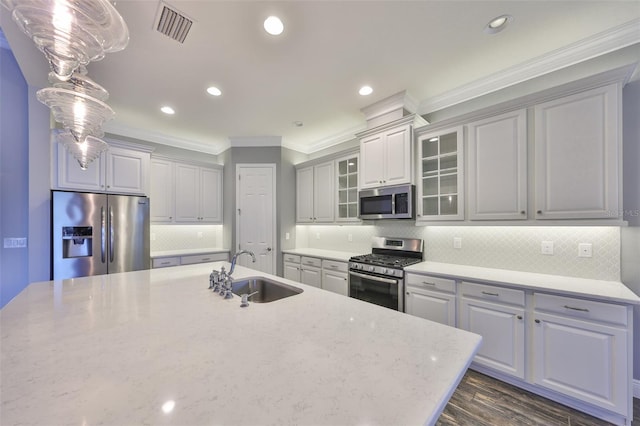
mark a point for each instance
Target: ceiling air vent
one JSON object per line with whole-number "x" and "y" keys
{"x": 173, "y": 23}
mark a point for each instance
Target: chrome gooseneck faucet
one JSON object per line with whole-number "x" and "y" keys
{"x": 235, "y": 257}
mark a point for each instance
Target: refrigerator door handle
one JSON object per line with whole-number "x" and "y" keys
{"x": 103, "y": 234}
{"x": 110, "y": 233}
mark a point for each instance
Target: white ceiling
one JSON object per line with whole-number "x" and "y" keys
{"x": 436, "y": 50}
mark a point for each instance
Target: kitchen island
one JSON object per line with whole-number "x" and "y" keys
{"x": 158, "y": 347}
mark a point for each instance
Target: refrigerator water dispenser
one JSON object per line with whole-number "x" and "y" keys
{"x": 77, "y": 241}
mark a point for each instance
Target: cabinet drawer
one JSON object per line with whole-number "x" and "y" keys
{"x": 203, "y": 258}
{"x": 311, "y": 261}
{"x": 332, "y": 265}
{"x": 163, "y": 262}
{"x": 579, "y": 308}
{"x": 427, "y": 282}
{"x": 293, "y": 258}
{"x": 493, "y": 293}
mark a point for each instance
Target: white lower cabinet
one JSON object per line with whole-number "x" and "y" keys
{"x": 311, "y": 271}
{"x": 431, "y": 298}
{"x": 335, "y": 277}
{"x": 497, "y": 314}
{"x": 581, "y": 349}
{"x": 291, "y": 267}
{"x": 163, "y": 262}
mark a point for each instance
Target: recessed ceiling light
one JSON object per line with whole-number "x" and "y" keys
{"x": 365, "y": 90}
{"x": 297, "y": 123}
{"x": 273, "y": 25}
{"x": 498, "y": 24}
{"x": 167, "y": 110}
{"x": 214, "y": 91}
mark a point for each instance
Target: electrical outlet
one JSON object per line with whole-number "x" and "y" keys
{"x": 350, "y": 237}
{"x": 585, "y": 250}
{"x": 547, "y": 248}
{"x": 153, "y": 236}
{"x": 457, "y": 242}
{"x": 287, "y": 235}
{"x": 317, "y": 235}
{"x": 199, "y": 234}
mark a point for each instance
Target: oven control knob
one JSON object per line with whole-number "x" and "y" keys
{"x": 372, "y": 268}
{"x": 383, "y": 271}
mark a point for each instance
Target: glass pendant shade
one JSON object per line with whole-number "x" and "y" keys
{"x": 70, "y": 33}
{"x": 81, "y": 114}
{"x": 85, "y": 151}
{"x": 79, "y": 82}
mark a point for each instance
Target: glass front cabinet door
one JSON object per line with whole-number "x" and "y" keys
{"x": 347, "y": 173}
{"x": 441, "y": 180}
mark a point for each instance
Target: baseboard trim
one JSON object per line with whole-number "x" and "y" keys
{"x": 636, "y": 388}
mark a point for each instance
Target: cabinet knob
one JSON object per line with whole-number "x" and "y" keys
{"x": 408, "y": 294}
{"x": 539, "y": 212}
{"x": 519, "y": 317}
{"x": 523, "y": 212}
{"x": 537, "y": 321}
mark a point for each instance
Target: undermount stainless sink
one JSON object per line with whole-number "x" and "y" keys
{"x": 267, "y": 290}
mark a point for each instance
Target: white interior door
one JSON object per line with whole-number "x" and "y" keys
{"x": 255, "y": 215}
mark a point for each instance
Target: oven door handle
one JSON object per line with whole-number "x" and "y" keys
{"x": 373, "y": 278}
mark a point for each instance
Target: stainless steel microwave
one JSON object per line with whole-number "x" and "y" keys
{"x": 391, "y": 202}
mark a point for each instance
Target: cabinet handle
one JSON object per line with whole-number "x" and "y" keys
{"x": 519, "y": 317}
{"x": 490, "y": 294}
{"x": 333, "y": 266}
{"x": 165, "y": 263}
{"x": 537, "y": 321}
{"x": 428, "y": 283}
{"x": 576, "y": 309}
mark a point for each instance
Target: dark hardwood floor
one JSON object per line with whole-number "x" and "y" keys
{"x": 481, "y": 400}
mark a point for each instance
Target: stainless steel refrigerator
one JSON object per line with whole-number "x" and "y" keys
{"x": 96, "y": 234}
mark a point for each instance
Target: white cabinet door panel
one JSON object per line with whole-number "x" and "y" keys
{"x": 323, "y": 192}
{"x": 578, "y": 155}
{"x": 292, "y": 271}
{"x": 398, "y": 156}
{"x": 498, "y": 167}
{"x": 311, "y": 276}
{"x": 161, "y": 191}
{"x": 211, "y": 195}
{"x": 434, "y": 306}
{"x": 304, "y": 195}
{"x": 187, "y": 191}
{"x": 372, "y": 152}
{"x": 336, "y": 282}
{"x": 502, "y": 331}
{"x": 581, "y": 359}
{"x": 127, "y": 171}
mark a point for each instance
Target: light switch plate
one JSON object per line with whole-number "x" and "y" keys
{"x": 15, "y": 243}
{"x": 547, "y": 248}
{"x": 350, "y": 237}
{"x": 287, "y": 235}
{"x": 585, "y": 250}
{"x": 457, "y": 242}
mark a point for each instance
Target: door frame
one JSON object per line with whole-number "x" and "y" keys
{"x": 274, "y": 169}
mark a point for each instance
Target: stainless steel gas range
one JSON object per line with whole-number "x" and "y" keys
{"x": 378, "y": 277}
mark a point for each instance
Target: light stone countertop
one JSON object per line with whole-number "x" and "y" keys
{"x": 340, "y": 256}
{"x": 612, "y": 291}
{"x": 187, "y": 252}
{"x": 113, "y": 349}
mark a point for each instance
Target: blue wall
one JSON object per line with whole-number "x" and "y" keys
{"x": 14, "y": 174}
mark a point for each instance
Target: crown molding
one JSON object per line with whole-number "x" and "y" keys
{"x": 328, "y": 142}
{"x": 254, "y": 141}
{"x": 147, "y": 135}
{"x": 599, "y": 44}
{"x": 400, "y": 100}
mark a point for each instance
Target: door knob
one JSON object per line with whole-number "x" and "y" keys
{"x": 268, "y": 248}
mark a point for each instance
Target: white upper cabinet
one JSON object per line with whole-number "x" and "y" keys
{"x": 120, "y": 170}
{"x": 578, "y": 156}
{"x": 198, "y": 194}
{"x": 161, "y": 193}
{"x": 304, "y": 195}
{"x": 347, "y": 189}
{"x": 315, "y": 194}
{"x": 497, "y": 155}
{"x": 441, "y": 175}
{"x": 386, "y": 155}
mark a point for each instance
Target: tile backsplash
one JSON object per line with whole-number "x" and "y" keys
{"x": 503, "y": 247}
{"x": 181, "y": 237}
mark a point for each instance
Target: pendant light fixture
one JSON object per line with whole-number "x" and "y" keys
{"x": 72, "y": 33}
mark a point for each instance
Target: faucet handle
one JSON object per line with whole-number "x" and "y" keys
{"x": 228, "y": 285}
{"x": 213, "y": 278}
